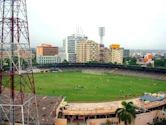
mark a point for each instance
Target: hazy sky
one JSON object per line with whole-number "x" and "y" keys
{"x": 138, "y": 24}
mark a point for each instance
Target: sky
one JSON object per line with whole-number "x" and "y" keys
{"x": 134, "y": 24}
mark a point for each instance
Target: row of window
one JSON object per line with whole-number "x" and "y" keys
{"x": 46, "y": 60}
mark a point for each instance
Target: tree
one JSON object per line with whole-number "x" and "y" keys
{"x": 126, "y": 114}
{"x": 130, "y": 61}
{"x": 65, "y": 61}
{"x": 160, "y": 63}
{"x": 92, "y": 62}
{"x": 34, "y": 62}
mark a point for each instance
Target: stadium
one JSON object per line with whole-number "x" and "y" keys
{"x": 92, "y": 93}
{"x": 63, "y": 93}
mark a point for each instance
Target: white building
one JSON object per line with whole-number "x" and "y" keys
{"x": 70, "y": 45}
{"x": 49, "y": 59}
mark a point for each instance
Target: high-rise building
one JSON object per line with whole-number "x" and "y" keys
{"x": 126, "y": 53}
{"x": 46, "y": 50}
{"x": 107, "y": 55}
{"x": 116, "y": 54}
{"x": 70, "y": 44}
{"x": 87, "y": 51}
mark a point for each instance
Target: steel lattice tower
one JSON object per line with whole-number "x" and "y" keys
{"x": 17, "y": 88}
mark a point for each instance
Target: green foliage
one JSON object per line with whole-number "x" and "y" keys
{"x": 130, "y": 61}
{"x": 80, "y": 87}
{"x": 6, "y": 62}
{"x": 65, "y": 61}
{"x": 91, "y": 62}
{"x": 34, "y": 60}
{"x": 160, "y": 63}
{"x": 127, "y": 113}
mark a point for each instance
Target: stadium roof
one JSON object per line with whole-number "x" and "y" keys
{"x": 151, "y": 98}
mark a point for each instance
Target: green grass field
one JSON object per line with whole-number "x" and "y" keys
{"x": 82, "y": 87}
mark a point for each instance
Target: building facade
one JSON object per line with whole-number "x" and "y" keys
{"x": 70, "y": 46}
{"x": 116, "y": 54}
{"x": 46, "y": 50}
{"x": 107, "y": 55}
{"x": 48, "y": 54}
{"x": 87, "y": 51}
{"x": 49, "y": 59}
{"x": 126, "y": 53}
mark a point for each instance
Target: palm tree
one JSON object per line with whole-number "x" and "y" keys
{"x": 126, "y": 114}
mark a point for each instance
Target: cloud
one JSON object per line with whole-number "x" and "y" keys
{"x": 133, "y": 23}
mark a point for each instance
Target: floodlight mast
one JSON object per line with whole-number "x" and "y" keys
{"x": 16, "y": 74}
{"x": 101, "y": 35}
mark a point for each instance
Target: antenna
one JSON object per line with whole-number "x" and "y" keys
{"x": 79, "y": 31}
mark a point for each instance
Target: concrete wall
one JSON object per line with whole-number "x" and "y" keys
{"x": 60, "y": 122}
{"x": 141, "y": 119}
{"x": 102, "y": 121}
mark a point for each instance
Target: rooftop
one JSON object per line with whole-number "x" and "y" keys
{"x": 47, "y": 107}
{"x": 107, "y": 107}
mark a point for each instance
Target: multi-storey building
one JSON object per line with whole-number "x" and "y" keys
{"x": 126, "y": 53}
{"x": 107, "y": 55}
{"x": 87, "y": 51}
{"x": 81, "y": 52}
{"x": 49, "y": 59}
{"x": 18, "y": 53}
{"x": 70, "y": 46}
{"x": 48, "y": 54}
{"x": 116, "y": 54}
{"x": 46, "y": 50}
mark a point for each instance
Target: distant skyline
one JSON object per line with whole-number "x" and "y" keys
{"x": 135, "y": 24}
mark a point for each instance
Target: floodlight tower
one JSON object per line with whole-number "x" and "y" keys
{"x": 17, "y": 89}
{"x": 101, "y": 34}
